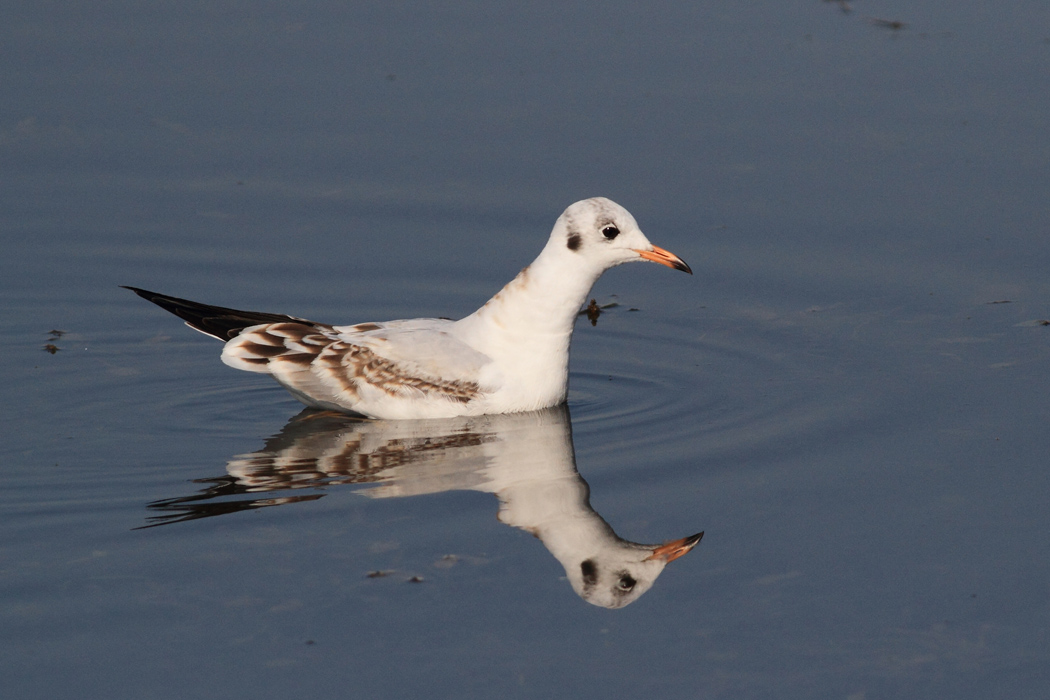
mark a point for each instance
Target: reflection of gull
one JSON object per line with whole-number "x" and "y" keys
{"x": 510, "y": 355}
{"x": 526, "y": 459}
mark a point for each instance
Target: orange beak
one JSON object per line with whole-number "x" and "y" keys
{"x": 664, "y": 257}
{"x": 669, "y": 551}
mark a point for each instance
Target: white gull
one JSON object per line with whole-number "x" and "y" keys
{"x": 510, "y": 355}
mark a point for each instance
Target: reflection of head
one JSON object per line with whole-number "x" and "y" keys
{"x": 525, "y": 459}
{"x": 622, "y": 571}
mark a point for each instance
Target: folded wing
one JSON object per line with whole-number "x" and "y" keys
{"x": 364, "y": 367}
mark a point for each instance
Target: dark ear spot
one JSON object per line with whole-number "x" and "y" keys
{"x": 574, "y": 241}
{"x": 590, "y": 573}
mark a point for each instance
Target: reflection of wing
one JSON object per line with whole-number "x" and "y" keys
{"x": 320, "y": 449}
{"x": 204, "y": 505}
{"x": 525, "y": 459}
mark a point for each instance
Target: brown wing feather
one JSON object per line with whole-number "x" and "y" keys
{"x": 308, "y": 360}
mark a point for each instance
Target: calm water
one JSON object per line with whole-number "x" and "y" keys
{"x": 849, "y": 399}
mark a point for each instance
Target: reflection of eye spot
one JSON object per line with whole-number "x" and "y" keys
{"x": 626, "y": 583}
{"x": 590, "y": 572}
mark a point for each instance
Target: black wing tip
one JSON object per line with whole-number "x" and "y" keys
{"x": 210, "y": 320}
{"x": 217, "y": 321}
{"x": 144, "y": 293}
{"x": 153, "y": 296}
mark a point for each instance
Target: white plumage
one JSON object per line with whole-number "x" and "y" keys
{"x": 510, "y": 355}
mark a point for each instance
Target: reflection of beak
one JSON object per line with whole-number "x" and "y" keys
{"x": 669, "y": 551}
{"x": 664, "y": 257}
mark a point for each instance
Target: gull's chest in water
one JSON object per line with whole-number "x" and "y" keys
{"x": 529, "y": 375}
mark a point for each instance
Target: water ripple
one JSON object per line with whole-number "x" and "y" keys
{"x": 674, "y": 391}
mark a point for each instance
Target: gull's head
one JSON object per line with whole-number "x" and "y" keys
{"x": 600, "y": 232}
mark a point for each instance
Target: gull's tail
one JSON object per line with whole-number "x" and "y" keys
{"x": 216, "y": 321}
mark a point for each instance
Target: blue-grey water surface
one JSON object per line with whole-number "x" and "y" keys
{"x": 849, "y": 397}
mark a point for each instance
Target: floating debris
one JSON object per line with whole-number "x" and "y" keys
{"x": 1001, "y": 301}
{"x": 593, "y": 312}
{"x": 379, "y": 574}
{"x": 416, "y": 579}
{"x": 891, "y": 24}
{"x": 52, "y": 336}
{"x": 447, "y": 561}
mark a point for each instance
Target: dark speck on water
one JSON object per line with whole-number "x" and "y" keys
{"x": 52, "y": 336}
{"x": 890, "y": 24}
{"x": 593, "y": 312}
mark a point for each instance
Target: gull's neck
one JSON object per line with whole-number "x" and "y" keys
{"x": 545, "y": 297}
{"x": 526, "y": 328}
{"x": 543, "y": 300}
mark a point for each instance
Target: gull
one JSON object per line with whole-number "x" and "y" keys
{"x": 511, "y": 355}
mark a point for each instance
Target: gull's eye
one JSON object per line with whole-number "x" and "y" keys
{"x": 610, "y": 232}
{"x": 625, "y": 583}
